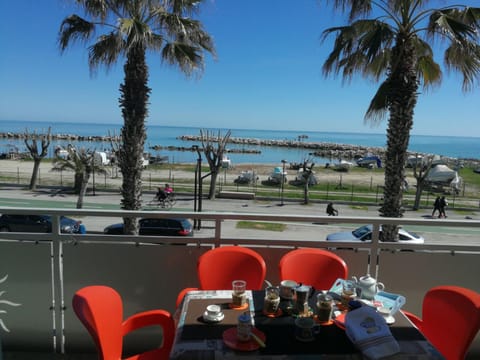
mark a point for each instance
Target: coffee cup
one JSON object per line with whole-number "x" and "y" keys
{"x": 386, "y": 314}
{"x": 213, "y": 311}
{"x": 305, "y": 329}
{"x": 287, "y": 289}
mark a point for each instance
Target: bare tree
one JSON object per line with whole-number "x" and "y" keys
{"x": 307, "y": 175}
{"x": 31, "y": 141}
{"x": 214, "y": 155}
{"x": 83, "y": 163}
{"x": 420, "y": 172}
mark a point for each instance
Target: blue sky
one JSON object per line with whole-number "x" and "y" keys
{"x": 267, "y": 75}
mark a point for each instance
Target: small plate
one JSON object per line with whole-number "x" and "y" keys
{"x": 230, "y": 339}
{"x": 213, "y": 319}
{"x": 277, "y": 314}
{"x": 389, "y": 319}
{"x": 243, "y": 307}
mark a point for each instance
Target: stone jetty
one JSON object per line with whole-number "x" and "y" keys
{"x": 69, "y": 137}
{"x": 191, "y": 148}
{"x": 321, "y": 149}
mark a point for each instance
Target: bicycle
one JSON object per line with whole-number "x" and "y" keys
{"x": 161, "y": 203}
{"x": 171, "y": 197}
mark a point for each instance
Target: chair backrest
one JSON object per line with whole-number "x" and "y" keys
{"x": 100, "y": 310}
{"x": 451, "y": 319}
{"x": 217, "y": 268}
{"x": 315, "y": 267}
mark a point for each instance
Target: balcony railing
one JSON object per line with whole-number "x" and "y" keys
{"x": 45, "y": 270}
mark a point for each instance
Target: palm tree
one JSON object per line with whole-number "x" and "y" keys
{"x": 394, "y": 46}
{"x": 82, "y": 163}
{"x": 131, "y": 29}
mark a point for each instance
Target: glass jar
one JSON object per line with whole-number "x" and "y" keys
{"x": 272, "y": 300}
{"x": 244, "y": 327}
{"x": 324, "y": 307}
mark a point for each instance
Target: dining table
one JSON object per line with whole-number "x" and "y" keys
{"x": 197, "y": 338}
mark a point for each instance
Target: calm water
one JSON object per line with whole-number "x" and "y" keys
{"x": 460, "y": 147}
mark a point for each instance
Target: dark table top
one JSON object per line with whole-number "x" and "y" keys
{"x": 197, "y": 339}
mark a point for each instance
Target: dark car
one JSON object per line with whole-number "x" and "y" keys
{"x": 148, "y": 226}
{"x": 38, "y": 223}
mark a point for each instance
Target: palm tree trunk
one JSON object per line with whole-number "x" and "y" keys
{"x": 83, "y": 190}
{"x": 402, "y": 101}
{"x": 133, "y": 101}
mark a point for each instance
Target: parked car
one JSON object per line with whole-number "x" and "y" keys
{"x": 156, "y": 226}
{"x": 38, "y": 223}
{"x": 364, "y": 233}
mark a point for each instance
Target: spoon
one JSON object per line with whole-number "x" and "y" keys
{"x": 257, "y": 340}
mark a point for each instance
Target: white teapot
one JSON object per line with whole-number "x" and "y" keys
{"x": 368, "y": 286}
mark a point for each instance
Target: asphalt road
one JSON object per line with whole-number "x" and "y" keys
{"x": 12, "y": 196}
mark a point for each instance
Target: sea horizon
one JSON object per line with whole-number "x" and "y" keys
{"x": 461, "y": 147}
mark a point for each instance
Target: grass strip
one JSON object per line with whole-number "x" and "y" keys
{"x": 259, "y": 225}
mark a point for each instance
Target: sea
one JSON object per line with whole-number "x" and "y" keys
{"x": 455, "y": 147}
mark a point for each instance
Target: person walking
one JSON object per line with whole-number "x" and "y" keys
{"x": 436, "y": 206}
{"x": 443, "y": 205}
{"x": 331, "y": 211}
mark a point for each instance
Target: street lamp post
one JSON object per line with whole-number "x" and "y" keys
{"x": 283, "y": 181}
{"x": 197, "y": 202}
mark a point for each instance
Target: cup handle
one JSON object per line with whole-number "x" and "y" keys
{"x": 380, "y": 286}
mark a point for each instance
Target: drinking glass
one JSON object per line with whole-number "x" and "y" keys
{"x": 239, "y": 297}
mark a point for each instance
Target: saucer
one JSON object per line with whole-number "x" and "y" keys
{"x": 389, "y": 319}
{"x": 209, "y": 318}
{"x": 234, "y": 307}
{"x": 230, "y": 339}
{"x": 273, "y": 315}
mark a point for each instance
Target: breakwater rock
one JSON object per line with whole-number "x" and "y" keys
{"x": 321, "y": 149}
{"x": 332, "y": 151}
{"x": 69, "y": 137}
{"x": 192, "y": 148}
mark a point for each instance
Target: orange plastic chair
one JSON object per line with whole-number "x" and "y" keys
{"x": 315, "y": 267}
{"x": 100, "y": 309}
{"x": 450, "y": 319}
{"x": 217, "y": 268}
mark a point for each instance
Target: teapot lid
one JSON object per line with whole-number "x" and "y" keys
{"x": 303, "y": 288}
{"x": 367, "y": 279}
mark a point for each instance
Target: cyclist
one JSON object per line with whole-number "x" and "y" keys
{"x": 161, "y": 194}
{"x": 168, "y": 189}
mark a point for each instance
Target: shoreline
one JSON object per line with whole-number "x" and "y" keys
{"x": 326, "y": 150}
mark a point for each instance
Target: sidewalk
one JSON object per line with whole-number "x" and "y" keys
{"x": 48, "y": 197}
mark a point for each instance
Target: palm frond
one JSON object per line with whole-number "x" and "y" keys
{"x": 355, "y": 8}
{"x": 74, "y": 28}
{"x": 360, "y": 47}
{"x": 106, "y": 50}
{"x": 96, "y": 8}
{"x": 449, "y": 23}
{"x": 378, "y": 108}
{"x": 464, "y": 57}
{"x": 186, "y": 57}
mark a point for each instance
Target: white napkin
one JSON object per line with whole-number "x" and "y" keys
{"x": 369, "y": 332}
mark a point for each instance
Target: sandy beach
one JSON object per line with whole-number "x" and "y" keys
{"x": 24, "y": 168}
